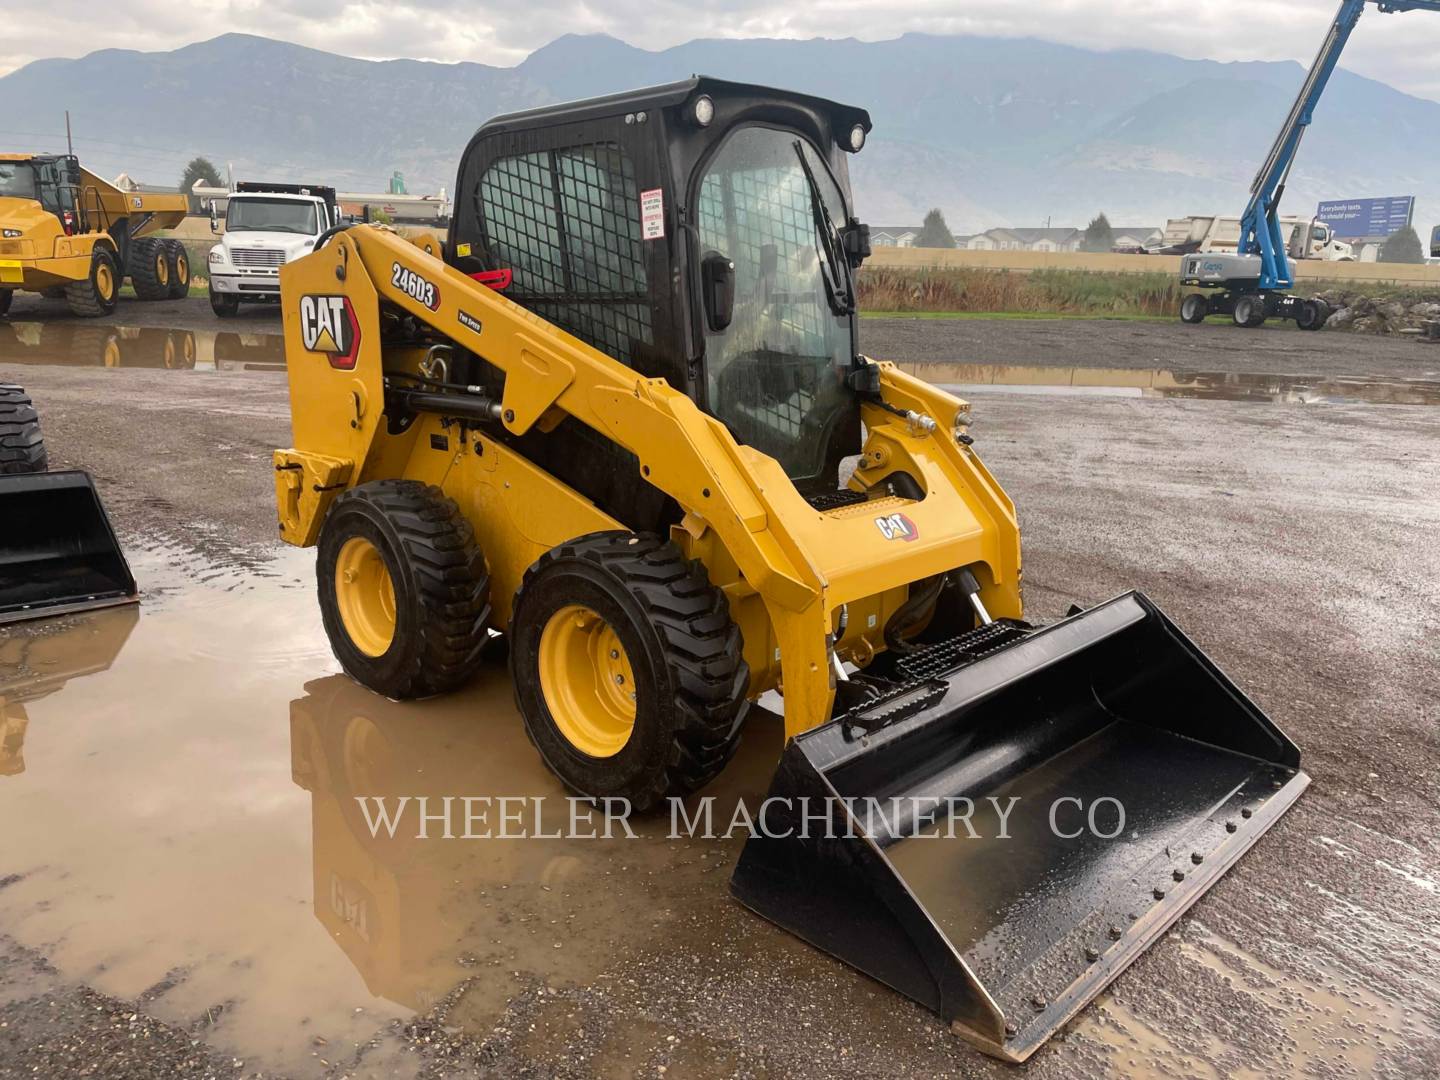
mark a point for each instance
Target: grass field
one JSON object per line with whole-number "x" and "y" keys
{"x": 985, "y": 293}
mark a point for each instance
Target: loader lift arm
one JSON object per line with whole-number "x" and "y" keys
{"x": 1260, "y": 232}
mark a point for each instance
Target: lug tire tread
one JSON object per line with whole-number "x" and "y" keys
{"x": 22, "y": 447}
{"x": 452, "y": 584}
{"x": 700, "y": 646}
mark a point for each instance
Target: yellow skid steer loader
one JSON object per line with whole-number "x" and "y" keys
{"x": 622, "y": 420}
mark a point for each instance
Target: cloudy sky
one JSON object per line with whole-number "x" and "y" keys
{"x": 1398, "y": 49}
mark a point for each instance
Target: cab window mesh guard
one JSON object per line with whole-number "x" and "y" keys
{"x": 567, "y": 223}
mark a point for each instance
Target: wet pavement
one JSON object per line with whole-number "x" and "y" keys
{"x": 1213, "y": 346}
{"x": 188, "y": 887}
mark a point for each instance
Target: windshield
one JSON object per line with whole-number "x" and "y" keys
{"x": 271, "y": 215}
{"x": 775, "y": 375}
{"x": 17, "y": 179}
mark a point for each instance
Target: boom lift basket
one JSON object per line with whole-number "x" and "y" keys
{"x": 58, "y": 551}
{"x": 1008, "y": 933}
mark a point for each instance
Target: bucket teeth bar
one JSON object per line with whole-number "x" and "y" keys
{"x": 1001, "y": 852}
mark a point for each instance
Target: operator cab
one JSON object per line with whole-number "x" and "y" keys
{"x": 52, "y": 181}
{"x": 701, "y": 232}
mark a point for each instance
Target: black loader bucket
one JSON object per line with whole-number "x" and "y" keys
{"x": 962, "y": 839}
{"x": 58, "y": 552}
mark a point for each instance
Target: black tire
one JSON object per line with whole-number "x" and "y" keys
{"x": 22, "y": 450}
{"x": 88, "y": 299}
{"x": 6, "y": 295}
{"x": 1194, "y": 308}
{"x": 225, "y": 305}
{"x": 685, "y": 653}
{"x": 149, "y": 266}
{"x": 441, "y": 587}
{"x": 179, "y": 262}
{"x": 1311, "y": 314}
{"x": 1249, "y": 311}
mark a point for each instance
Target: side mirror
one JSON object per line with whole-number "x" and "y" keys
{"x": 856, "y": 238}
{"x": 717, "y": 284}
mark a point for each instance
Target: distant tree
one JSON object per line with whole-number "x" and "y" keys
{"x": 1402, "y": 247}
{"x": 1099, "y": 236}
{"x": 199, "y": 169}
{"x": 935, "y": 233}
{"x": 380, "y": 217}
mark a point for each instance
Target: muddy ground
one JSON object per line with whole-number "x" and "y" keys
{"x": 1216, "y": 345}
{"x": 184, "y": 890}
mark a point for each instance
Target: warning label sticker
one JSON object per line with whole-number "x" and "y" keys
{"x": 652, "y": 214}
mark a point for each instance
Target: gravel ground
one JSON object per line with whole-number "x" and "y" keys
{"x": 1275, "y": 349}
{"x": 192, "y": 313}
{"x": 1297, "y": 545}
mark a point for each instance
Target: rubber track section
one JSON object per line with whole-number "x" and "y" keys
{"x": 450, "y": 572}
{"x": 22, "y": 449}
{"x": 701, "y": 644}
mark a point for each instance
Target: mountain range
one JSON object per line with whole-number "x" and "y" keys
{"x": 993, "y": 131}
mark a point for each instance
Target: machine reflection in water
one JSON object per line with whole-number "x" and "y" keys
{"x": 35, "y": 664}
{"x": 418, "y": 917}
{"x": 86, "y": 344}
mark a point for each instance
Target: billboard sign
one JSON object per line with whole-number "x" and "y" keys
{"x": 1367, "y": 219}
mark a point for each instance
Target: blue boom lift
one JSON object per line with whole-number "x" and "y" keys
{"x": 1250, "y": 284}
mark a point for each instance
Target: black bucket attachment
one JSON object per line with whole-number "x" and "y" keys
{"x": 1008, "y": 920}
{"x": 58, "y": 552}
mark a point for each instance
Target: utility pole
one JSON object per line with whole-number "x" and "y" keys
{"x": 69, "y": 142}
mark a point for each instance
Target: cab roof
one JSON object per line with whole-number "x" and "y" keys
{"x": 676, "y": 93}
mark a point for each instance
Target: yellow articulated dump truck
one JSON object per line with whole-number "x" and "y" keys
{"x": 622, "y": 419}
{"x": 70, "y": 235}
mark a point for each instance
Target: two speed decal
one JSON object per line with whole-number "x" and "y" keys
{"x": 415, "y": 286}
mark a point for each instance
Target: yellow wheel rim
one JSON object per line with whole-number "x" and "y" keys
{"x": 162, "y": 269}
{"x": 104, "y": 281}
{"x": 182, "y": 269}
{"x": 587, "y": 681}
{"x": 365, "y": 596}
{"x": 111, "y": 356}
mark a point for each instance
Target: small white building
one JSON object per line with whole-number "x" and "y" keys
{"x": 894, "y": 235}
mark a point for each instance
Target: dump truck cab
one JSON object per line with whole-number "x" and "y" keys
{"x": 66, "y": 232}
{"x": 265, "y": 226}
{"x": 41, "y": 220}
{"x": 739, "y": 194}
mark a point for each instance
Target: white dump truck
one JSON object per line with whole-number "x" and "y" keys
{"x": 265, "y": 226}
{"x": 1306, "y": 238}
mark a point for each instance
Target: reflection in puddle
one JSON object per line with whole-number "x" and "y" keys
{"x": 190, "y": 824}
{"x": 34, "y": 665}
{"x": 1166, "y": 383}
{"x": 86, "y": 344}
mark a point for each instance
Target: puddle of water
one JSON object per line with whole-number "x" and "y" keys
{"x": 187, "y": 773}
{"x": 87, "y": 344}
{"x": 1167, "y": 383}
